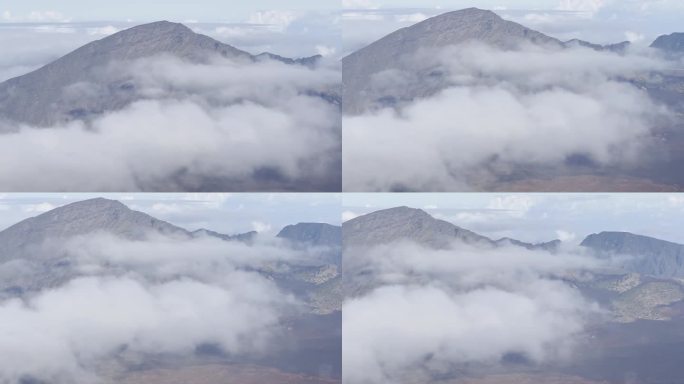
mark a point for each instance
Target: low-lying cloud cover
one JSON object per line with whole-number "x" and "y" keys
{"x": 108, "y": 302}
{"x": 504, "y": 111}
{"x": 221, "y": 125}
{"x": 418, "y": 313}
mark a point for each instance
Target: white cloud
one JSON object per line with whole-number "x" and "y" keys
{"x": 550, "y": 105}
{"x": 39, "y": 208}
{"x": 243, "y": 118}
{"x": 349, "y": 215}
{"x": 634, "y": 37}
{"x": 160, "y": 296}
{"x": 325, "y": 50}
{"x": 103, "y": 31}
{"x": 676, "y": 200}
{"x": 359, "y": 4}
{"x": 411, "y": 18}
{"x": 465, "y": 305}
{"x": 566, "y": 236}
{"x": 591, "y": 6}
{"x": 261, "y": 227}
{"x": 518, "y": 205}
{"x": 278, "y": 20}
{"x": 47, "y": 16}
{"x": 166, "y": 208}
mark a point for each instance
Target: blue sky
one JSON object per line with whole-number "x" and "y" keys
{"x": 226, "y": 213}
{"x": 540, "y": 217}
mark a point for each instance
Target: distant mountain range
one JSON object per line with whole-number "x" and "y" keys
{"x": 313, "y": 234}
{"x": 673, "y": 43}
{"x": 89, "y": 216}
{"x": 643, "y": 281}
{"x": 649, "y": 256}
{"x": 41, "y": 98}
{"x": 646, "y": 255}
{"x": 396, "y": 51}
{"x": 23, "y": 242}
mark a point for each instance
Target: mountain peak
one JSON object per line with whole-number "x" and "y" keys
{"x": 162, "y": 26}
{"x": 82, "y": 218}
{"x": 470, "y": 12}
{"x": 37, "y": 98}
{"x": 649, "y": 256}
{"x": 94, "y": 203}
{"x": 404, "y": 223}
{"x": 404, "y": 50}
{"x": 403, "y": 212}
{"x": 672, "y": 43}
{"x": 312, "y": 233}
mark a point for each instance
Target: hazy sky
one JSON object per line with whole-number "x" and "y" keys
{"x": 202, "y": 10}
{"x": 540, "y": 217}
{"x": 226, "y": 213}
{"x": 600, "y": 21}
{"x": 36, "y": 32}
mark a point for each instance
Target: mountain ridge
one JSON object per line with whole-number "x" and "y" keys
{"x": 40, "y": 98}
{"x": 312, "y": 233}
{"x": 395, "y": 51}
{"x": 672, "y": 43}
{"x": 405, "y": 223}
{"x": 650, "y": 256}
{"x": 392, "y": 50}
{"x": 95, "y": 215}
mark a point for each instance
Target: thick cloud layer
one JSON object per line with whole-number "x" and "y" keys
{"x": 113, "y": 301}
{"x": 417, "y": 313}
{"x": 221, "y": 125}
{"x": 504, "y": 111}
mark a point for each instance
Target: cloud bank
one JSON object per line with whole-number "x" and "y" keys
{"x": 220, "y": 125}
{"x": 417, "y": 313}
{"x": 106, "y": 303}
{"x": 503, "y": 111}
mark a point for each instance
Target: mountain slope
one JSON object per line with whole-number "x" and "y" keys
{"x": 244, "y": 237}
{"x": 313, "y": 233}
{"x": 86, "y": 82}
{"x": 81, "y": 218}
{"x": 404, "y": 223}
{"x": 650, "y": 256}
{"x": 395, "y": 50}
{"x": 672, "y": 43}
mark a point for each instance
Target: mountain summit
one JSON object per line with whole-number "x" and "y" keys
{"x": 86, "y": 83}
{"x": 313, "y": 233}
{"x": 404, "y": 223}
{"x": 82, "y": 218}
{"x": 672, "y": 43}
{"x": 396, "y": 50}
{"x": 647, "y": 255}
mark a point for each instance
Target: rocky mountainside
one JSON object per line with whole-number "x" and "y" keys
{"x": 82, "y": 218}
{"x": 646, "y": 255}
{"x": 673, "y": 43}
{"x": 617, "y": 47}
{"x": 83, "y": 84}
{"x": 244, "y": 237}
{"x": 395, "y": 51}
{"x": 313, "y": 233}
{"x": 406, "y": 56}
{"x": 404, "y": 223}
